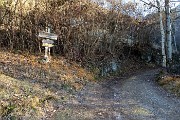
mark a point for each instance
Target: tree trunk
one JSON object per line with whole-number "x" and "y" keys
{"x": 175, "y": 24}
{"x": 175, "y": 44}
{"x": 162, "y": 35}
{"x": 168, "y": 33}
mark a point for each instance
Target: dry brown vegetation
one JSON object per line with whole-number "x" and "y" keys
{"x": 87, "y": 32}
{"x": 30, "y": 89}
{"x": 30, "y": 66}
{"x": 21, "y": 99}
{"x": 170, "y": 82}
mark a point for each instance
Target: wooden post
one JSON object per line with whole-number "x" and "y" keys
{"x": 48, "y": 30}
{"x": 47, "y": 49}
{"x": 46, "y": 52}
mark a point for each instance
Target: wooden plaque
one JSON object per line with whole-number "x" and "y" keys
{"x": 47, "y": 35}
{"x": 48, "y": 41}
{"x": 47, "y": 45}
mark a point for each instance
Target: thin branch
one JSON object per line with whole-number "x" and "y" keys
{"x": 177, "y": 18}
{"x": 152, "y": 5}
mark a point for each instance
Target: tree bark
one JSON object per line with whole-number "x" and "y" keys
{"x": 162, "y": 35}
{"x": 168, "y": 33}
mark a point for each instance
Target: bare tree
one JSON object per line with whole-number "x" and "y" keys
{"x": 168, "y": 32}
{"x": 162, "y": 34}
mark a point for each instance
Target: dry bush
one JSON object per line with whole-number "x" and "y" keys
{"x": 170, "y": 82}
{"x": 87, "y": 32}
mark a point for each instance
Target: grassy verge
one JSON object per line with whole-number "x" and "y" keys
{"x": 32, "y": 90}
{"x": 169, "y": 82}
{"x": 59, "y": 71}
{"x": 21, "y": 99}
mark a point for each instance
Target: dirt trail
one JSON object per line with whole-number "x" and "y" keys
{"x": 135, "y": 98}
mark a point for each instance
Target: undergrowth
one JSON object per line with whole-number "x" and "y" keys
{"x": 58, "y": 71}
{"x": 31, "y": 90}
{"x": 169, "y": 82}
{"x": 21, "y": 99}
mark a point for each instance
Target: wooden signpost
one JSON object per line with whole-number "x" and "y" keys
{"x": 48, "y": 35}
{"x": 47, "y": 42}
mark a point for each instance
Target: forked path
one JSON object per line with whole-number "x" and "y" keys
{"x": 135, "y": 98}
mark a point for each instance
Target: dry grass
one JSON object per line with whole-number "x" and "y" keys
{"x": 28, "y": 87}
{"x": 31, "y": 66}
{"x": 23, "y": 99}
{"x": 170, "y": 82}
{"x": 166, "y": 80}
